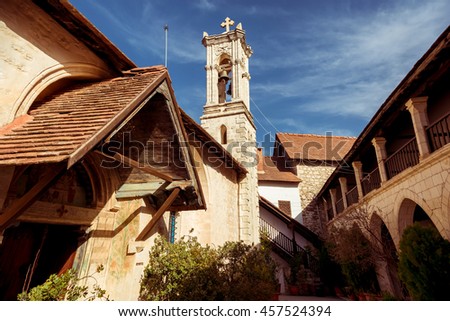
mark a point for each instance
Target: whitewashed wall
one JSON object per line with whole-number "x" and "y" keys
{"x": 275, "y": 191}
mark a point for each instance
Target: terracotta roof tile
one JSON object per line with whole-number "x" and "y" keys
{"x": 61, "y": 124}
{"x": 315, "y": 147}
{"x": 270, "y": 170}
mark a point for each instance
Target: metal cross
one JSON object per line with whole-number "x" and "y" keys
{"x": 227, "y": 23}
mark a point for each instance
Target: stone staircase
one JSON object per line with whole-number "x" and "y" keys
{"x": 287, "y": 248}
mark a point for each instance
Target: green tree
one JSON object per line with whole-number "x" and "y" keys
{"x": 424, "y": 265}
{"x": 355, "y": 255}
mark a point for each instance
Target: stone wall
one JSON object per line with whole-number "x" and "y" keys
{"x": 36, "y": 52}
{"x": 426, "y": 185}
{"x": 313, "y": 178}
{"x": 241, "y": 143}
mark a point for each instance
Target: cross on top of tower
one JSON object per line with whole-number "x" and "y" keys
{"x": 227, "y": 23}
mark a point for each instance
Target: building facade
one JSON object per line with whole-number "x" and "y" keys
{"x": 397, "y": 172}
{"x": 97, "y": 159}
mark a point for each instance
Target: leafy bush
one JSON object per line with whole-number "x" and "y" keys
{"x": 63, "y": 288}
{"x": 424, "y": 265}
{"x": 188, "y": 271}
{"x": 353, "y": 251}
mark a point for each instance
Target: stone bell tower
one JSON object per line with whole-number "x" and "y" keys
{"x": 227, "y": 117}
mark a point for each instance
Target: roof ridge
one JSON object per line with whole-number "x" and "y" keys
{"x": 315, "y": 135}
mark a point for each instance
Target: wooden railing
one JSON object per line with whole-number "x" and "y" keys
{"x": 287, "y": 245}
{"x": 340, "y": 206}
{"x": 405, "y": 157}
{"x": 275, "y": 236}
{"x": 352, "y": 196}
{"x": 371, "y": 181}
{"x": 439, "y": 133}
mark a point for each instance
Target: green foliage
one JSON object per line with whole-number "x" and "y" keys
{"x": 354, "y": 253}
{"x": 424, "y": 265}
{"x": 188, "y": 271}
{"x": 63, "y": 288}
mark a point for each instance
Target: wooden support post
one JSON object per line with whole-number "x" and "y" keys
{"x": 20, "y": 205}
{"x": 158, "y": 214}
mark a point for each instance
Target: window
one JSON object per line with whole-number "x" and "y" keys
{"x": 223, "y": 134}
{"x": 285, "y": 207}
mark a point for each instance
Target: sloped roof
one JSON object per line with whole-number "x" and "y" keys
{"x": 300, "y": 228}
{"x": 269, "y": 171}
{"x": 66, "y": 125}
{"x": 315, "y": 147}
{"x": 193, "y": 128}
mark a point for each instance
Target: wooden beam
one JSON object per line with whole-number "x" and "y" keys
{"x": 21, "y": 204}
{"x": 145, "y": 168}
{"x": 167, "y": 203}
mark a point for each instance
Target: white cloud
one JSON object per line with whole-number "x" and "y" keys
{"x": 349, "y": 65}
{"x": 205, "y": 5}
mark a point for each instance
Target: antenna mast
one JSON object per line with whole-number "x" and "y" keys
{"x": 166, "y": 31}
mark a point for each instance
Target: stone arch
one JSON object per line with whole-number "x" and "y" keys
{"x": 445, "y": 205}
{"x": 405, "y": 206}
{"x": 51, "y": 76}
{"x": 225, "y": 74}
{"x": 387, "y": 265}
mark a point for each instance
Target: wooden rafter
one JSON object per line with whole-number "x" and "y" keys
{"x": 145, "y": 168}
{"x": 167, "y": 203}
{"x": 21, "y": 204}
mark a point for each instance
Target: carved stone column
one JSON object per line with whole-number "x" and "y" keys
{"x": 357, "y": 168}
{"x": 417, "y": 107}
{"x": 333, "y": 201}
{"x": 344, "y": 189}
{"x": 380, "y": 149}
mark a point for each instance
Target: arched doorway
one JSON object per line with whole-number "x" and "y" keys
{"x": 43, "y": 243}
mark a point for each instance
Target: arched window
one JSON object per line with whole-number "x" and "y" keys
{"x": 223, "y": 134}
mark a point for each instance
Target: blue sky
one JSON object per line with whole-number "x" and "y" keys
{"x": 318, "y": 65}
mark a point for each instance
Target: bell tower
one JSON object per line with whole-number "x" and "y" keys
{"x": 227, "y": 118}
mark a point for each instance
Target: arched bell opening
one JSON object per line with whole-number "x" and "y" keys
{"x": 225, "y": 77}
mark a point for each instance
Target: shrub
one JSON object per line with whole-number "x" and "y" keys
{"x": 64, "y": 288}
{"x": 424, "y": 265}
{"x": 186, "y": 270}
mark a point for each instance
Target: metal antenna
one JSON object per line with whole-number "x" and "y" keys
{"x": 166, "y": 31}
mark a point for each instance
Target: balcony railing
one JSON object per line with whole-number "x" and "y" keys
{"x": 405, "y": 157}
{"x": 439, "y": 133}
{"x": 352, "y": 196}
{"x": 287, "y": 245}
{"x": 371, "y": 181}
{"x": 340, "y": 206}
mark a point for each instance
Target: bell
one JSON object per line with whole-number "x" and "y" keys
{"x": 224, "y": 74}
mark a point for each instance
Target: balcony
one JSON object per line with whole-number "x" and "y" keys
{"x": 340, "y": 206}
{"x": 439, "y": 133}
{"x": 405, "y": 157}
{"x": 371, "y": 181}
{"x": 352, "y": 196}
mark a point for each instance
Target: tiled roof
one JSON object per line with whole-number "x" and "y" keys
{"x": 315, "y": 147}
{"x": 268, "y": 171}
{"x": 210, "y": 143}
{"x": 66, "y": 125}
